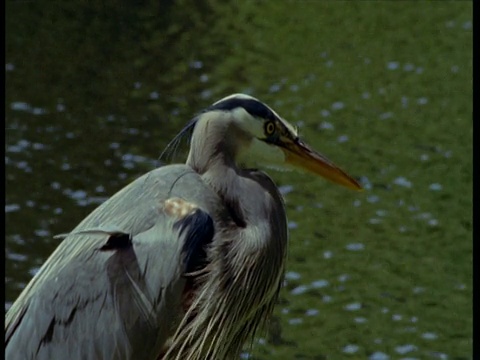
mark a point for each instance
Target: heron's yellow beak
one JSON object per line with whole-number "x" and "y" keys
{"x": 301, "y": 155}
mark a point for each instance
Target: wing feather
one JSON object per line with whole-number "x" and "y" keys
{"x": 113, "y": 287}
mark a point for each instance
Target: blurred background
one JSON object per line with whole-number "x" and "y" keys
{"x": 95, "y": 90}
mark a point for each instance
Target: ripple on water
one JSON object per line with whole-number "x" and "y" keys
{"x": 245, "y": 355}
{"x": 23, "y": 106}
{"x": 373, "y": 199}
{"x": 429, "y": 336}
{"x": 450, "y": 24}
{"x": 366, "y": 95}
{"x": 438, "y": 355}
{"x": 39, "y": 111}
{"x": 325, "y": 125}
{"x": 338, "y": 105}
{"x": 393, "y": 65}
{"x": 397, "y": 317}
{"x": 342, "y": 138}
{"x": 353, "y": 306}
{"x": 11, "y": 207}
{"x": 360, "y": 320}
{"x": 20, "y": 146}
{"x": 386, "y": 115}
{"x": 435, "y": 187}
{"x": 285, "y": 189}
{"x": 404, "y": 349}
{"x": 422, "y": 101}
{"x": 326, "y": 113}
{"x": 467, "y": 25}
{"x": 350, "y": 349}
{"x": 17, "y": 239}
{"x": 381, "y": 212}
{"x": 292, "y": 275}
{"x": 402, "y": 181}
{"x": 20, "y": 106}
{"x": 327, "y": 254}
{"x": 16, "y": 257}
{"x": 55, "y": 185}
{"x": 302, "y": 289}
{"x": 327, "y": 298}
{"x": 75, "y": 194}
{"x": 355, "y": 246}
{"x": 60, "y": 107}
{"x": 292, "y": 225}
{"x": 23, "y": 165}
{"x": 460, "y": 286}
{"x": 295, "y": 321}
{"x": 311, "y": 312}
{"x": 378, "y": 355}
{"x": 274, "y": 88}
{"x": 318, "y": 284}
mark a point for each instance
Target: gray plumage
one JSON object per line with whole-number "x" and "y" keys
{"x": 186, "y": 262}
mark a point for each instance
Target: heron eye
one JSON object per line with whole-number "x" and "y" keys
{"x": 269, "y": 128}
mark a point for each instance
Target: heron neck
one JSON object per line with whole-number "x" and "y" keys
{"x": 214, "y": 145}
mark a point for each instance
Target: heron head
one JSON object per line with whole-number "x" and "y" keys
{"x": 273, "y": 140}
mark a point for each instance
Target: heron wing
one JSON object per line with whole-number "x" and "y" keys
{"x": 113, "y": 288}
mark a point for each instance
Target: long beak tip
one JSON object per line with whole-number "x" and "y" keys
{"x": 356, "y": 186}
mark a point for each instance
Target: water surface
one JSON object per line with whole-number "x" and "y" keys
{"x": 95, "y": 92}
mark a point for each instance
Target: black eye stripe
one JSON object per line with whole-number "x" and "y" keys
{"x": 253, "y": 107}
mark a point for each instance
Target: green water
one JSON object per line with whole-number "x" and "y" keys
{"x": 94, "y": 93}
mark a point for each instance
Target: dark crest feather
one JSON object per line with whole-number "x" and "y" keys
{"x": 252, "y": 106}
{"x": 171, "y": 149}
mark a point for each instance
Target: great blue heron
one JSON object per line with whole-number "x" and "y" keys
{"x": 186, "y": 262}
